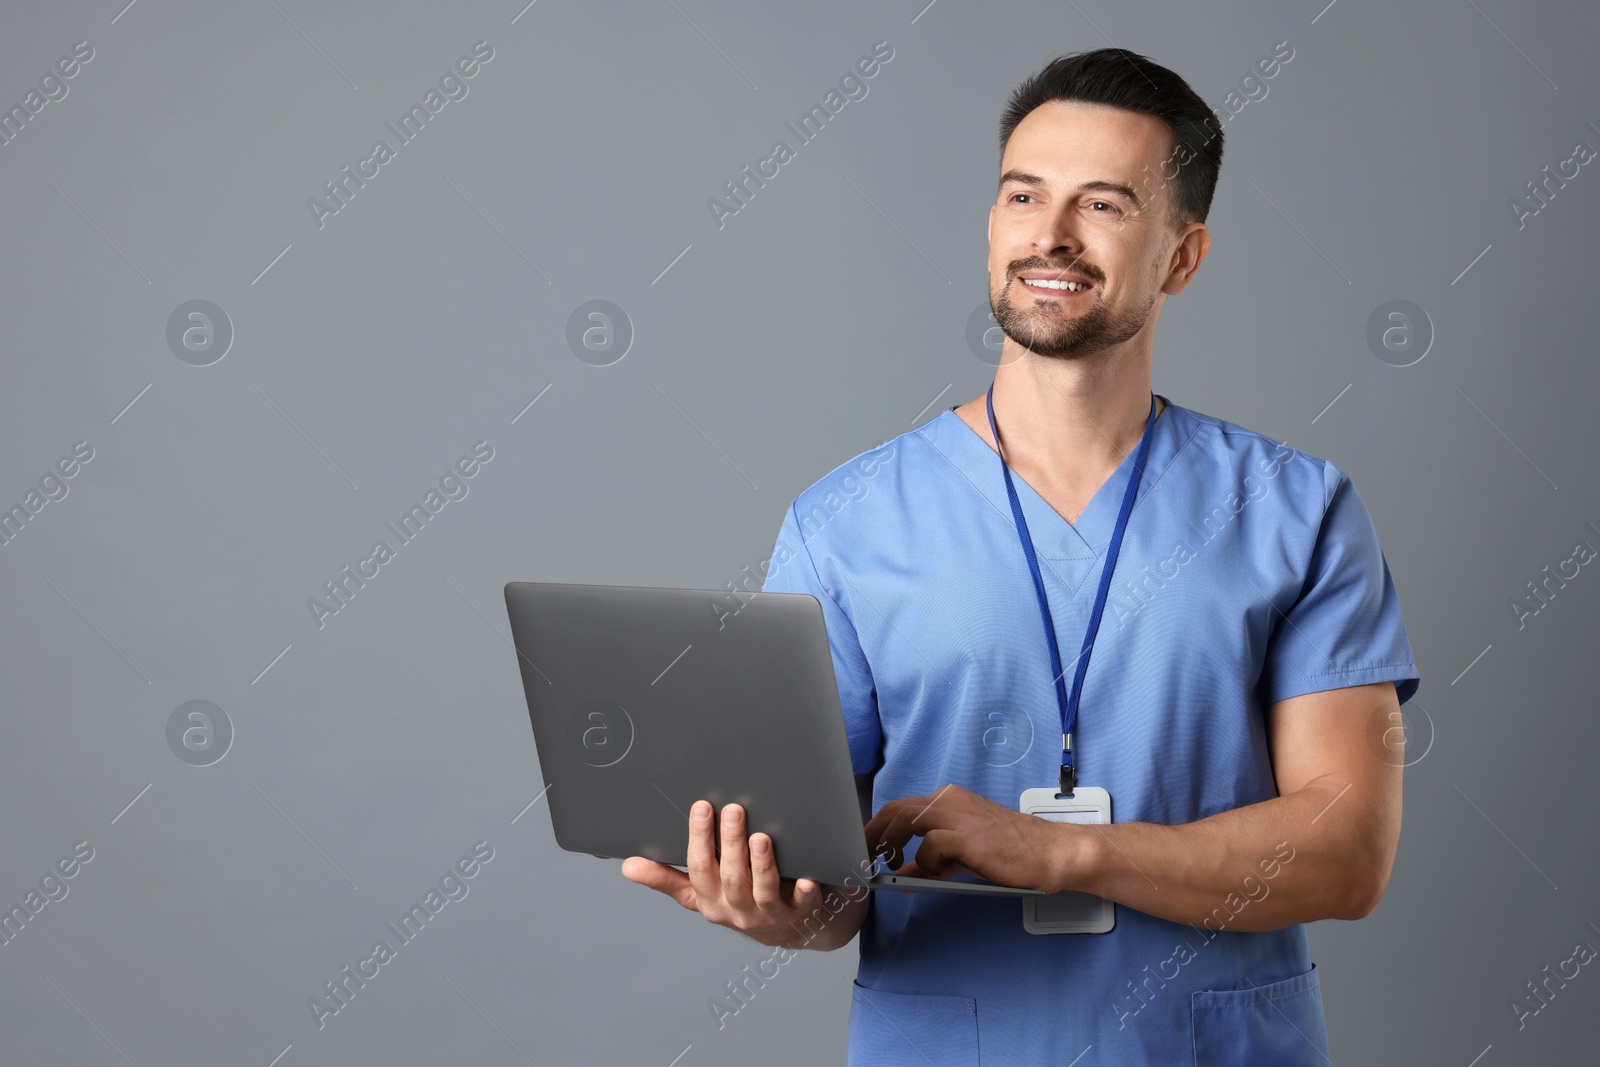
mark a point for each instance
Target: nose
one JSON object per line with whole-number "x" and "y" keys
{"x": 1060, "y": 234}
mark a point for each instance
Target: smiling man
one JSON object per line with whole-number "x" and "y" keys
{"x": 1233, "y": 710}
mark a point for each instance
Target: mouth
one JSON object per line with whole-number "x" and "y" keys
{"x": 1055, "y": 286}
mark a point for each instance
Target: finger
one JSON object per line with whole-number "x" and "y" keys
{"x": 898, "y": 832}
{"x": 766, "y": 888}
{"x": 919, "y": 808}
{"x": 880, "y": 826}
{"x": 911, "y": 869}
{"x": 885, "y": 814}
{"x": 702, "y": 857}
{"x": 898, "y": 821}
{"x": 883, "y": 852}
{"x": 662, "y": 878}
{"x": 942, "y": 807}
{"x": 939, "y": 854}
{"x": 804, "y": 893}
{"x": 951, "y": 869}
{"x": 736, "y": 877}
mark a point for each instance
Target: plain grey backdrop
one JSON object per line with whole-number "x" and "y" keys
{"x": 373, "y": 348}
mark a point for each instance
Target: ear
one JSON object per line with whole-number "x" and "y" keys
{"x": 1194, "y": 241}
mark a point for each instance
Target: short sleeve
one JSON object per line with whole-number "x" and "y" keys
{"x": 793, "y": 570}
{"x": 1346, "y": 627}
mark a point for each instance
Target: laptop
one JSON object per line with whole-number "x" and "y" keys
{"x": 644, "y": 700}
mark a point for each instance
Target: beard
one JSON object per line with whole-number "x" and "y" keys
{"x": 1045, "y": 330}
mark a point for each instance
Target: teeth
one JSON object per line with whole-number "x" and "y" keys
{"x": 1043, "y": 283}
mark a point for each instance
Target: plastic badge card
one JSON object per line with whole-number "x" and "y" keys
{"x": 1068, "y": 912}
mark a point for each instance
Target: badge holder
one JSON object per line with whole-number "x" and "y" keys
{"x": 1068, "y": 912}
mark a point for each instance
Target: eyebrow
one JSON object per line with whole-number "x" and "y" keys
{"x": 1022, "y": 177}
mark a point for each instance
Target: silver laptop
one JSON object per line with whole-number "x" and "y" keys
{"x": 645, "y": 700}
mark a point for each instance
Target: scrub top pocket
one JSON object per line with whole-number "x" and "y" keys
{"x": 912, "y": 1029}
{"x": 1275, "y": 1024}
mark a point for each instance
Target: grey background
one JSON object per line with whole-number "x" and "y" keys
{"x": 826, "y": 316}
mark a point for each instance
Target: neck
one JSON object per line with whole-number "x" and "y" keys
{"x": 1069, "y": 421}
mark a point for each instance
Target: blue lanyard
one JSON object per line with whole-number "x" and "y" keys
{"x": 1069, "y": 703}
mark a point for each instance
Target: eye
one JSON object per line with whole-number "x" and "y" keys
{"x": 1014, "y": 196}
{"x": 1102, "y": 203}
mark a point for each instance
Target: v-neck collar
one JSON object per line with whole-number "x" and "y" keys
{"x": 1070, "y": 550}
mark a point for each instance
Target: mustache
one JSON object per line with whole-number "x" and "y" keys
{"x": 1088, "y": 270}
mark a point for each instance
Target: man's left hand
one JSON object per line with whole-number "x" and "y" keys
{"x": 964, "y": 832}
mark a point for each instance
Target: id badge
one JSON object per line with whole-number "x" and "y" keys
{"x": 1068, "y": 912}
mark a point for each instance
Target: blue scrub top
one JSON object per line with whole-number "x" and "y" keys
{"x": 1250, "y": 572}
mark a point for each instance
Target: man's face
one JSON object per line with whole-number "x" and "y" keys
{"x": 1076, "y": 205}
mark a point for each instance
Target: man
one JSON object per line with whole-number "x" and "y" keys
{"x": 1237, "y": 698}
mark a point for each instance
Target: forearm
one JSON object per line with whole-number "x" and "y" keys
{"x": 1312, "y": 854}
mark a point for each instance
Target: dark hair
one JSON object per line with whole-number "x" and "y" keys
{"x": 1116, "y": 77}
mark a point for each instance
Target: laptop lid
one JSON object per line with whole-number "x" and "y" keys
{"x": 644, "y": 700}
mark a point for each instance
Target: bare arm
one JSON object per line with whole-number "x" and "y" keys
{"x": 1322, "y": 849}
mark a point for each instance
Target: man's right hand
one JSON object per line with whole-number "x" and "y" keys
{"x": 743, "y": 890}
